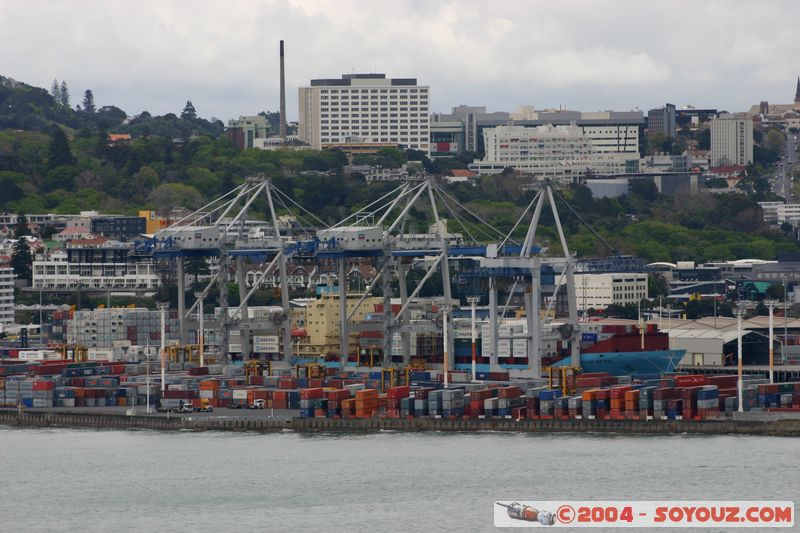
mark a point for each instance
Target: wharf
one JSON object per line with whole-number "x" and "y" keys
{"x": 765, "y": 426}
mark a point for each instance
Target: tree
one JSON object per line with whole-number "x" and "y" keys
{"x": 58, "y": 150}
{"x": 645, "y": 189}
{"x": 88, "y": 101}
{"x": 21, "y": 259}
{"x": 196, "y": 266}
{"x": 188, "y": 112}
{"x": 170, "y": 195}
{"x": 55, "y": 91}
{"x": 64, "y": 94}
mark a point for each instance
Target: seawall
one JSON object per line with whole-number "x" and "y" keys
{"x": 779, "y": 427}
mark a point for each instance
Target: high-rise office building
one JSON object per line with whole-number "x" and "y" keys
{"x": 365, "y": 109}
{"x": 662, "y": 120}
{"x": 731, "y": 140}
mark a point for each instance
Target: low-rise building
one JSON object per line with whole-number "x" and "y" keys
{"x": 598, "y": 291}
{"x": 563, "y": 153}
{"x": 95, "y": 265}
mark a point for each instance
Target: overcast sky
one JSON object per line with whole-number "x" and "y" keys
{"x": 587, "y": 55}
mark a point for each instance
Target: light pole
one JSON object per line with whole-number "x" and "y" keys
{"x": 740, "y": 311}
{"x": 473, "y": 301}
{"x": 201, "y": 338}
{"x": 147, "y": 371}
{"x": 771, "y": 306}
{"x": 162, "y": 306}
{"x": 445, "y": 310}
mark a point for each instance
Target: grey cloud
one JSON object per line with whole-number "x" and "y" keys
{"x": 154, "y": 55}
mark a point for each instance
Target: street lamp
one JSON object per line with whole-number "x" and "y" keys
{"x": 163, "y": 306}
{"x": 473, "y": 301}
{"x": 201, "y": 338}
{"x": 446, "y": 307}
{"x": 741, "y": 310}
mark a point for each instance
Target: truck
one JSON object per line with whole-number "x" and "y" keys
{"x": 257, "y": 404}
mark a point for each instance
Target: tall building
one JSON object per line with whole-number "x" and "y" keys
{"x": 244, "y": 131}
{"x": 598, "y": 291}
{"x": 662, "y": 120}
{"x": 559, "y": 152}
{"x": 731, "y": 140}
{"x": 6, "y": 295}
{"x": 366, "y": 109}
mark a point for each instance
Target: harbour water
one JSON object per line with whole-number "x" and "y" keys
{"x": 81, "y": 480}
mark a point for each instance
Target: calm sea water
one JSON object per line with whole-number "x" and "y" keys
{"x": 81, "y": 480}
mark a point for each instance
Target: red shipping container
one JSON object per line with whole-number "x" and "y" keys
{"x": 690, "y": 380}
{"x": 396, "y": 393}
{"x": 509, "y": 392}
{"x": 312, "y": 394}
{"x": 43, "y": 384}
{"x": 338, "y": 395}
{"x": 287, "y": 383}
{"x": 722, "y": 381}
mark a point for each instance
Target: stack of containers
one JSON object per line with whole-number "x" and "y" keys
{"x": 394, "y": 397}
{"x": 26, "y": 392}
{"x": 589, "y": 404}
{"x": 602, "y": 397}
{"x": 661, "y": 397}
{"x": 561, "y": 408}
{"x": 617, "y": 401}
{"x": 532, "y": 402}
{"x": 43, "y": 392}
{"x": 477, "y": 398}
{"x": 435, "y": 403}
{"x": 348, "y": 408}
{"x": 509, "y": 398}
{"x": 575, "y": 407}
{"x": 646, "y": 401}
{"x": 632, "y": 398}
{"x": 452, "y": 402}
{"x": 491, "y": 407}
{"x": 335, "y": 398}
{"x": 366, "y": 404}
{"x": 708, "y": 401}
{"x": 689, "y": 398}
{"x": 407, "y": 407}
{"x": 307, "y": 401}
{"x": 209, "y": 389}
{"x": 421, "y": 401}
{"x": 674, "y": 408}
{"x": 547, "y": 402}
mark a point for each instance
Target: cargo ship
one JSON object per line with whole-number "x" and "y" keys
{"x": 624, "y": 350}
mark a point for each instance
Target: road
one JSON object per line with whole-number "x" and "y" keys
{"x": 283, "y": 414}
{"x": 783, "y": 177}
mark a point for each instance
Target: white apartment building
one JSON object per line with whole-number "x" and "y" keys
{"x": 598, "y": 291}
{"x": 56, "y": 273}
{"x": 731, "y": 140}
{"x": 558, "y": 152}
{"x": 367, "y": 109}
{"x": 779, "y": 212}
{"x": 6, "y": 296}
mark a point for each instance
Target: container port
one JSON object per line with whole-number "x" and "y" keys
{"x": 97, "y": 388}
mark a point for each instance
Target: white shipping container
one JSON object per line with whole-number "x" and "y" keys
{"x": 266, "y": 343}
{"x": 239, "y": 394}
{"x": 235, "y": 347}
{"x": 100, "y": 354}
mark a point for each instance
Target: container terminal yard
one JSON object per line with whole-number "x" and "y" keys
{"x": 406, "y": 362}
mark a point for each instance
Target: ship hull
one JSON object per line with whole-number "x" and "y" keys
{"x": 626, "y": 363}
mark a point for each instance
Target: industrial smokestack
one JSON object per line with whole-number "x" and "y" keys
{"x": 283, "y": 100}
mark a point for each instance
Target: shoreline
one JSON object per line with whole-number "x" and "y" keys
{"x": 778, "y": 427}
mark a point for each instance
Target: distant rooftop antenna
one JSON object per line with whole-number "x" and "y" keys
{"x": 283, "y": 100}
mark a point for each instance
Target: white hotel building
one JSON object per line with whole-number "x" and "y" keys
{"x": 365, "y": 109}
{"x": 598, "y": 291}
{"x": 559, "y": 152}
